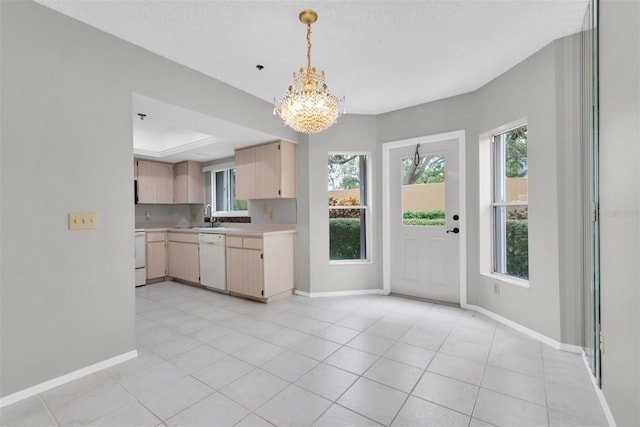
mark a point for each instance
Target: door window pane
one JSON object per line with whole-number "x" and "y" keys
{"x": 423, "y": 190}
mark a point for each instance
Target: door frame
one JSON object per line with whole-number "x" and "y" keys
{"x": 386, "y": 208}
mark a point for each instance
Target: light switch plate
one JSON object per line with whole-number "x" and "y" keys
{"x": 83, "y": 220}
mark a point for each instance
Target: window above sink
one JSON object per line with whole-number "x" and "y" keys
{"x": 220, "y": 191}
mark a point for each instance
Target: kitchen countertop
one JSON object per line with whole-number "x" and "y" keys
{"x": 236, "y": 229}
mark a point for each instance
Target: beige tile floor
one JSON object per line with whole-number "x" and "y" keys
{"x": 207, "y": 359}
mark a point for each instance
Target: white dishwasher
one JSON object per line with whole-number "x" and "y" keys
{"x": 212, "y": 261}
{"x": 140, "y": 253}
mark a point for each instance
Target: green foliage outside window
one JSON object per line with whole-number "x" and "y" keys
{"x": 344, "y": 236}
{"x": 518, "y": 248}
{"x": 434, "y": 217}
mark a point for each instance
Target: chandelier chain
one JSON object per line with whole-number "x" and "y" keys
{"x": 308, "y": 48}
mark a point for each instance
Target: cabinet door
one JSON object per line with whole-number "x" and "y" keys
{"x": 180, "y": 183}
{"x": 245, "y": 174}
{"x": 164, "y": 189}
{"x": 184, "y": 261}
{"x": 268, "y": 171}
{"x": 195, "y": 182}
{"x": 288, "y": 169}
{"x": 188, "y": 183}
{"x": 252, "y": 270}
{"x": 234, "y": 270}
{"x": 156, "y": 260}
{"x": 279, "y": 263}
{"x": 146, "y": 181}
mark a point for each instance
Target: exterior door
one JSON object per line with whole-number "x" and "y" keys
{"x": 425, "y": 221}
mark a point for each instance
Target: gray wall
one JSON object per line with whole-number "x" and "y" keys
{"x": 67, "y": 297}
{"x": 620, "y": 206}
{"x": 352, "y": 133}
{"x": 532, "y": 83}
{"x": 570, "y": 182}
{"x": 532, "y": 90}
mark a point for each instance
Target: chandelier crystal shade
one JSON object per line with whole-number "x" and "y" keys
{"x": 309, "y": 107}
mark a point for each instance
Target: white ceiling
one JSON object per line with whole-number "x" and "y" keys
{"x": 382, "y": 55}
{"x": 172, "y": 134}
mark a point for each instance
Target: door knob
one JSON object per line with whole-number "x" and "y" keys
{"x": 454, "y": 231}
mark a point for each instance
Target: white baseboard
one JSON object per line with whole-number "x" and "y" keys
{"x": 340, "y": 293}
{"x": 600, "y": 394}
{"x": 48, "y": 385}
{"x": 530, "y": 332}
{"x": 571, "y": 348}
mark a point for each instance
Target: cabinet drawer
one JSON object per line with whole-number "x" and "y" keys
{"x": 252, "y": 243}
{"x": 156, "y": 236}
{"x": 234, "y": 242}
{"x": 183, "y": 237}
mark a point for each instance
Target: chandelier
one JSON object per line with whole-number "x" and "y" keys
{"x": 309, "y": 107}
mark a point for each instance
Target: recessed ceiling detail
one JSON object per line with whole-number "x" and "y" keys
{"x": 163, "y": 144}
{"x": 172, "y": 133}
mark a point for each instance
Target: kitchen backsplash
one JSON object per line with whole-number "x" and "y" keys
{"x": 271, "y": 211}
{"x": 236, "y": 219}
{"x": 162, "y": 215}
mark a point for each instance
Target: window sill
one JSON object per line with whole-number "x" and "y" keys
{"x": 502, "y": 278}
{"x": 222, "y": 214}
{"x": 350, "y": 262}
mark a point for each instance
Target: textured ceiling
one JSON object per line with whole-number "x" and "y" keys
{"x": 383, "y": 55}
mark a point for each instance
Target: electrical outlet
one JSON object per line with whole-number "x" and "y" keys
{"x": 147, "y": 215}
{"x": 83, "y": 221}
{"x": 271, "y": 215}
{"x": 496, "y": 288}
{"x": 194, "y": 216}
{"x": 264, "y": 209}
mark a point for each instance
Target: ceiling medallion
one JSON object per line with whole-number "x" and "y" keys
{"x": 309, "y": 107}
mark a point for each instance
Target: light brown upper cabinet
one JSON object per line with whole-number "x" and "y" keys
{"x": 188, "y": 185}
{"x": 266, "y": 171}
{"x": 245, "y": 173}
{"x": 155, "y": 182}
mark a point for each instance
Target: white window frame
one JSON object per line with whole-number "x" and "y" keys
{"x": 213, "y": 169}
{"x": 486, "y": 198}
{"x": 368, "y": 217}
{"x": 498, "y": 191}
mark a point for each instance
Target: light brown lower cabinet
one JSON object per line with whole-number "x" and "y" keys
{"x": 244, "y": 272}
{"x": 261, "y": 267}
{"x": 183, "y": 255}
{"x": 156, "y": 260}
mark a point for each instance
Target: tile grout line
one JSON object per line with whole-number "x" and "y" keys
{"x": 49, "y": 411}
{"x": 484, "y": 370}
{"x": 421, "y": 375}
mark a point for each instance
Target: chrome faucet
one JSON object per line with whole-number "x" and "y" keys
{"x": 213, "y": 221}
